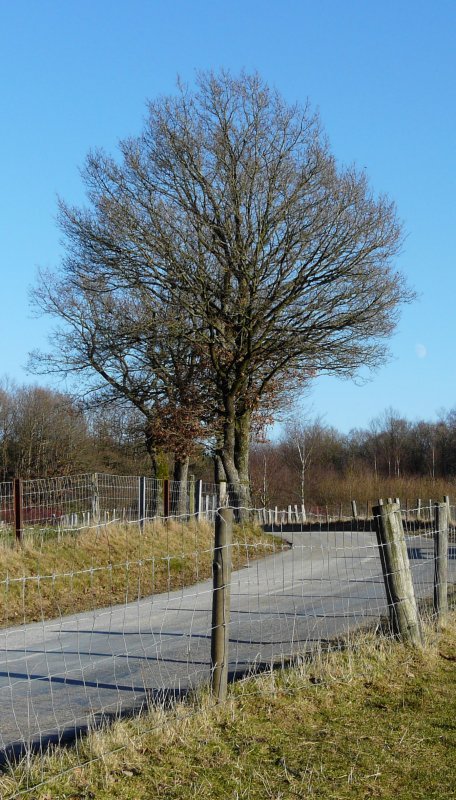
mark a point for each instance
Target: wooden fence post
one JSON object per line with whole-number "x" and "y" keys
{"x": 95, "y": 499}
{"x": 354, "y": 509}
{"x": 403, "y": 613}
{"x": 221, "y": 602}
{"x": 222, "y": 493}
{"x": 441, "y": 561}
{"x": 18, "y": 510}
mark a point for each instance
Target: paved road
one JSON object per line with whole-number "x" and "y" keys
{"x": 60, "y": 676}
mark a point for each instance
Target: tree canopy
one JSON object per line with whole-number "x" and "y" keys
{"x": 273, "y": 262}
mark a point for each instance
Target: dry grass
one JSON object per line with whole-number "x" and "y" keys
{"x": 329, "y": 489}
{"x": 115, "y": 564}
{"x": 376, "y": 720}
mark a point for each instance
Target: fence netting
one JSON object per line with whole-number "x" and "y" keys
{"x": 67, "y": 504}
{"x": 110, "y": 613}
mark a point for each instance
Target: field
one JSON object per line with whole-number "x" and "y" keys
{"x": 326, "y": 488}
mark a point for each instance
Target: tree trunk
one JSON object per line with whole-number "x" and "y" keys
{"x": 241, "y": 454}
{"x": 230, "y": 471}
{"x": 226, "y": 451}
{"x": 219, "y": 470}
{"x": 234, "y": 455}
{"x": 151, "y": 450}
{"x": 179, "y": 490}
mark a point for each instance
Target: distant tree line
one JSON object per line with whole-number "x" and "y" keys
{"x": 313, "y": 462}
{"x": 45, "y": 433}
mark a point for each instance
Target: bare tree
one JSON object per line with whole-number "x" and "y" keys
{"x": 117, "y": 439}
{"x": 6, "y": 428}
{"x": 42, "y": 433}
{"x": 302, "y": 438}
{"x": 125, "y": 349}
{"x": 231, "y": 209}
{"x": 392, "y": 434}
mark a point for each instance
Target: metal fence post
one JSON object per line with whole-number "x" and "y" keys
{"x": 441, "y": 561}
{"x": 18, "y": 510}
{"x": 141, "y": 501}
{"x": 198, "y": 499}
{"x": 166, "y": 498}
{"x": 403, "y": 612}
{"x": 191, "y": 496}
{"x": 221, "y": 602}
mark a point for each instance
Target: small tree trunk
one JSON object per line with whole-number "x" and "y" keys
{"x": 151, "y": 450}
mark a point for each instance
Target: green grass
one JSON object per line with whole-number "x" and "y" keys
{"x": 113, "y": 564}
{"x": 374, "y": 721}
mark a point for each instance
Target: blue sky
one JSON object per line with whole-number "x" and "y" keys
{"x": 76, "y": 75}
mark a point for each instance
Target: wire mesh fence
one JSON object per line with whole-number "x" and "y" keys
{"x": 120, "y": 616}
{"x": 68, "y": 504}
{"x": 49, "y": 507}
{"x": 6, "y": 505}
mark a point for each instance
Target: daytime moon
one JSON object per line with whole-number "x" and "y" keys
{"x": 421, "y": 351}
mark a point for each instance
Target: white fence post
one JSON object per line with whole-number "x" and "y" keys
{"x": 141, "y": 501}
{"x": 198, "y": 499}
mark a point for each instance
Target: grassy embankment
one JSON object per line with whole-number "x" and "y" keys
{"x": 376, "y": 721}
{"x": 46, "y": 578}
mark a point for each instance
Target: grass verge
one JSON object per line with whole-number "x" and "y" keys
{"x": 376, "y": 721}
{"x": 114, "y": 564}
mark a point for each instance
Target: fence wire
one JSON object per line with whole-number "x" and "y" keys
{"x": 119, "y": 616}
{"x": 53, "y": 507}
{"x": 6, "y": 505}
